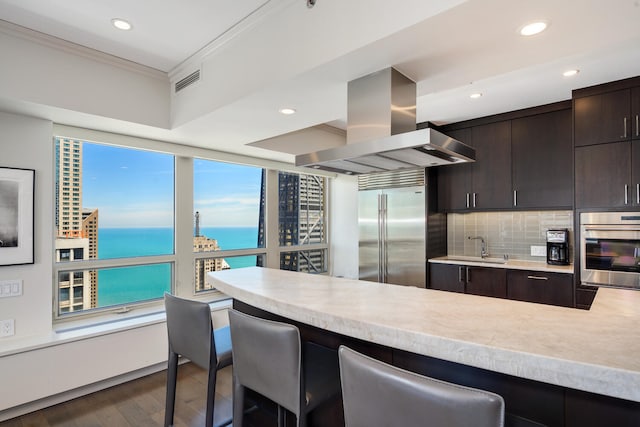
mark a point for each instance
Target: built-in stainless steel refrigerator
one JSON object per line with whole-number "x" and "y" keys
{"x": 397, "y": 233}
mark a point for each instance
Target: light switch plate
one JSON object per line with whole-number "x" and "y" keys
{"x": 10, "y": 288}
{"x": 538, "y": 251}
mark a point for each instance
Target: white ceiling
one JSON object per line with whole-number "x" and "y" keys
{"x": 451, "y": 48}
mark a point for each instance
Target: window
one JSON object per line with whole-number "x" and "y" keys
{"x": 119, "y": 248}
{"x": 302, "y": 222}
{"x": 115, "y": 237}
{"x": 227, "y": 217}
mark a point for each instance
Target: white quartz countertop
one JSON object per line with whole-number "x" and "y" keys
{"x": 596, "y": 350}
{"x": 514, "y": 264}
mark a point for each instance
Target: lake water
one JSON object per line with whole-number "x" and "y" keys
{"x": 122, "y": 285}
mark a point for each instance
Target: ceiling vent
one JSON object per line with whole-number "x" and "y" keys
{"x": 187, "y": 81}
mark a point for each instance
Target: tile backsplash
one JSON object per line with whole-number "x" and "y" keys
{"x": 511, "y": 233}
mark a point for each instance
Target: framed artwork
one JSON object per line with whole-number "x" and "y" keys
{"x": 16, "y": 216}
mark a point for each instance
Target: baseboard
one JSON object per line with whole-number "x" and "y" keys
{"x": 78, "y": 392}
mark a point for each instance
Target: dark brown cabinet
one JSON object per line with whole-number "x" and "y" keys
{"x": 544, "y": 288}
{"x": 542, "y": 152}
{"x": 484, "y": 184}
{"x": 447, "y": 277}
{"x": 523, "y": 161}
{"x": 635, "y": 113}
{"x": 602, "y": 118}
{"x": 521, "y": 285}
{"x": 607, "y": 139}
{"x": 485, "y": 281}
{"x": 454, "y": 181}
{"x": 608, "y": 175}
{"x": 491, "y": 173}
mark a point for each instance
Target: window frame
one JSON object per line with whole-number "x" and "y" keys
{"x": 182, "y": 261}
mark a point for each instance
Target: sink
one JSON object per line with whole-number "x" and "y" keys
{"x": 487, "y": 260}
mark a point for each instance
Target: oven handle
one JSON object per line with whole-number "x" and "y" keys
{"x": 634, "y": 227}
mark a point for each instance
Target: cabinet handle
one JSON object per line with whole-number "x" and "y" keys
{"x": 624, "y": 122}
{"x": 460, "y": 273}
{"x": 515, "y": 197}
{"x": 638, "y": 194}
{"x": 468, "y": 275}
{"x": 474, "y": 200}
{"x": 626, "y": 194}
{"x": 467, "y": 200}
{"x": 537, "y": 278}
{"x": 637, "y": 126}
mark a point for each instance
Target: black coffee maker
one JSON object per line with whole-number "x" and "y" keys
{"x": 558, "y": 247}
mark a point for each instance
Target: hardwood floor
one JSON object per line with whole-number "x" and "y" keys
{"x": 139, "y": 403}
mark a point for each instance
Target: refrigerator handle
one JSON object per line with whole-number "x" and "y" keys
{"x": 380, "y": 242}
{"x": 383, "y": 236}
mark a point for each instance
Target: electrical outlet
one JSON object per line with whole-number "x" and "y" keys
{"x": 7, "y": 328}
{"x": 538, "y": 251}
{"x": 10, "y": 288}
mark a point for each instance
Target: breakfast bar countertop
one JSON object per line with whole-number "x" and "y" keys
{"x": 594, "y": 351}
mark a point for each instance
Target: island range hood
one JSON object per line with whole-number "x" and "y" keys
{"x": 381, "y": 131}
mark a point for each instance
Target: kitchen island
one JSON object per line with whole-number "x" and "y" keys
{"x": 579, "y": 367}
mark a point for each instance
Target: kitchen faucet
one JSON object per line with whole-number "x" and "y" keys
{"x": 483, "y": 247}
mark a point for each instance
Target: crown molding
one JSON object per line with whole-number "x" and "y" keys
{"x": 267, "y": 9}
{"x": 52, "y": 42}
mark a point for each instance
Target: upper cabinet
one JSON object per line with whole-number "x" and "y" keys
{"x": 485, "y": 183}
{"x": 541, "y": 149}
{"x": 491, "y": 172}
{"x": 523, "y": 161}
{"x": 607, "y": 145}
{"x": 603, "y": 118}
{"x": 454, "y": 181}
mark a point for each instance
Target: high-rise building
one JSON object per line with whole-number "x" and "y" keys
{"x": 90, "y": 230}
{"x": 205, "y": 265}
{"x": 76, "y": 229}
{"x": 301, "y": 206}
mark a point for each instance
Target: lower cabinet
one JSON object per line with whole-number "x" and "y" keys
{"x": 544, "y": 288}
{"x": 521, "y": 285}
{"x": 485, "y": 281}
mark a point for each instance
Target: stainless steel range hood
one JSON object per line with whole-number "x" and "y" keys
{"x": 381, "y": 131}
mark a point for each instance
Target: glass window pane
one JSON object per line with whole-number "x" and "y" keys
{"x": 123, "y": 207}
{"x": 123, "y": 202}
{"x": 205, "y": 265}
{"x": 107, "y": 287}
{"x": 227, "y": 204}
{"x": 301, "y": 209}
{"x": 312, "y": 261}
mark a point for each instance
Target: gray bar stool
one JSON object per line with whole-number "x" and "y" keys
{"x": 268, "y": 359}
{"x": 191, "y": 334}
{"x": 376, "y": 394}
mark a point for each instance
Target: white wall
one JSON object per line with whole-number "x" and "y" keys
{"x": 26, "y": 143}
{"x": 70, "y": 77}
{"x": 343, "y": 214}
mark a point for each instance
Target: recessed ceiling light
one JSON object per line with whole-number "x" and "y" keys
{"x": 533, "y": 28}
{"x": 570, "y": 73}
{"x": 287, "y": 111}
{"x": 121, "y": 24}
{"x": 475, "y": 95}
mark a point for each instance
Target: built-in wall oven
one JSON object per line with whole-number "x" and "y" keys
{"x": 610, "y": 249}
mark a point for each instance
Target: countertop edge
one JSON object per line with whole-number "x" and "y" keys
{"x": 510, "y": 265}
{"x": 600, "y": 379}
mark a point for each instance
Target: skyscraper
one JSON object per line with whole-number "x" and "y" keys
{"x": 205, "y": 265}
{"x": 76, "y": 229}
{"x": 301, "y": 206}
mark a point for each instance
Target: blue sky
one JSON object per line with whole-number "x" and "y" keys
{"x": 134, "y": 188}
